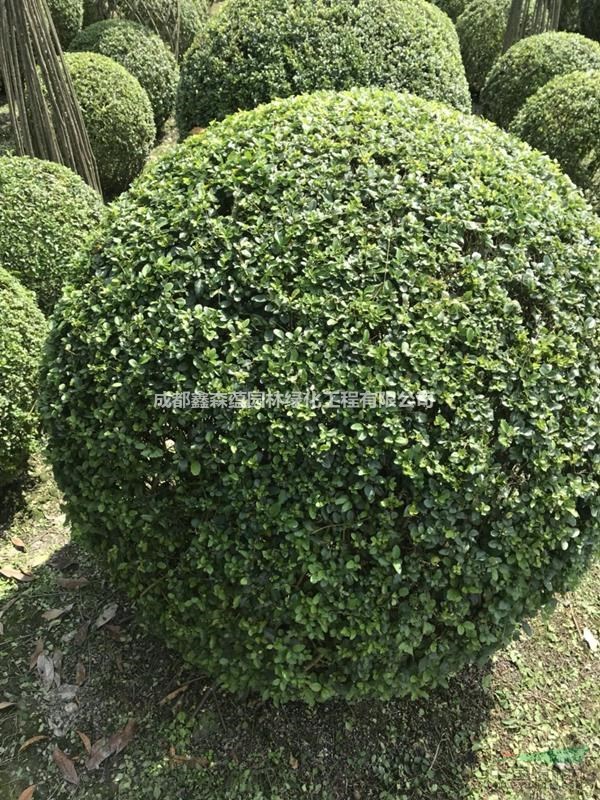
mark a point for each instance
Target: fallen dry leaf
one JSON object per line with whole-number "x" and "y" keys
{"x": 72, "y": 583}
{"x": 590, "y": 639}
{"x": 17, "y": 542}
{"x": 55, "y": 613}
{"x": 104, "y": 748}
{"x": 86, "y": 741}
{"x": 80, "y": 674}
{"x": 39, "y": 649}
{"x": 294, "y": 764}
{"x": 66, "y": 766}
{"x": 172, "y": 695}
{"x": 45, "y": 668}
{"x": 121, "y": 739}
{"x": 107, "y": 614}
{"x": 31, "y": 741}
{"x": 27, "y": 793}
{"x": 16, "y": 574}
{"x": 81, "y": 633}
{"x": 99, "y": 752}
{"x": 6, "y": 704}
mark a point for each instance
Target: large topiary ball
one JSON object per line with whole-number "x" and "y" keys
{"x": 364, "y": 242}
{"x": 142, "y": 53}
{"x": 46, "y": 214}
{"x": 528, "y": 65}
{"x": 22, "y": 331}
{"x": 563, "y": 120}
{"x": 67, "y": 16}
{"x": 255, "y": 50}
{"x": 589, "y": 18}
{"x": 481, "y": 28}
{"x": 118, "y": 117}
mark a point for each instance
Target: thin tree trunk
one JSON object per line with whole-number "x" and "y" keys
{"x": 44, "y": 109}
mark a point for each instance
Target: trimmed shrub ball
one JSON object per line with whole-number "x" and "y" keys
{"x": 563, "y": 120}
{"x": 118, "y": 117}
{"x": 22, "y": 332}
{"x": 46, "y": 214}
{"x": 481, "y": 28}
{"x": 142, "y": 53}
{"x": 255, "y": 50}
{"x": 67, "y": 16}
{"x": 176, "y": 21}
{"x": 528, "y": 65}
{"x": 589, "y": 18}
{"x": 453, "y": 8}
{"x": 366, "y": 242}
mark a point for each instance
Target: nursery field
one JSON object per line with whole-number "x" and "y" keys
{"x": 300, "y": 400}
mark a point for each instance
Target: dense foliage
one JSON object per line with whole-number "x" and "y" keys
{"x": 46, "y": 213}
{"x": 589, "y": 18}
{"x": 22, "y": 330}
{"x": 481, "y": 29}
{"x": 453, "y": 8}
{"x": 366, "y": 241}
{"x": 563, "y": 120}
{"x": 118, "y": 117}
{"x": 255, "y": 50}
{"x": 528, "y": 65}
{"x": 67, "y": 16}
{"x": 142, "y": 53}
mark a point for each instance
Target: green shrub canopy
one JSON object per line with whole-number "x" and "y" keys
{"x": 366, "y": 241}
{"x": 528, "y": 65}
{"x": 255, "y": 50}
{"x": 67, "y": 16}
{"x": 46, "y": 213}
{"x": 563, "y": 120}
{"x": 142, "y": 53}
{"x": 176, "y": 21}
{"x": 453, "y": 8}
{"x": 22, "y": 331}
{"x": 118, "y": 117}
{"x": 481, "y": 28}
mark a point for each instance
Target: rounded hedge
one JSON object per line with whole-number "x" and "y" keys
{"x": 142, "y": 53}
{"x": 589, "y": 18}
{"x": 22, "y": 332}
{"x": 453, "y": 8}
{"x": 563, "y": 120}
{"x": 481, "y": 28}
{"x": 528, "y": 65}
{"x": 366, "y": 242}
{"x": 255, "y": 50}
{"x": 67, "y": 16}
{"x": 176, "y": 21}
{"x": 46, "y": 214}
{"x": 118, "y": 117}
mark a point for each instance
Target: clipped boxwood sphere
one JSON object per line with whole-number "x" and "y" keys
{"x": 563, "y": 120}
{"x": 22, "y": 331}
{"x": 453, "y": 8}
{"x": 366, "y": 241}
{"x": 67, "y": 16}
{"x": 528, "y": 65}
{"x": 176, "y": 21}
{"x": 118, "y": 117}
{"x": 481, "y": 28}
{"x": 46, "y": 214}
{"x": 142, "y": 53}
{"x": 255, "y": 50}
